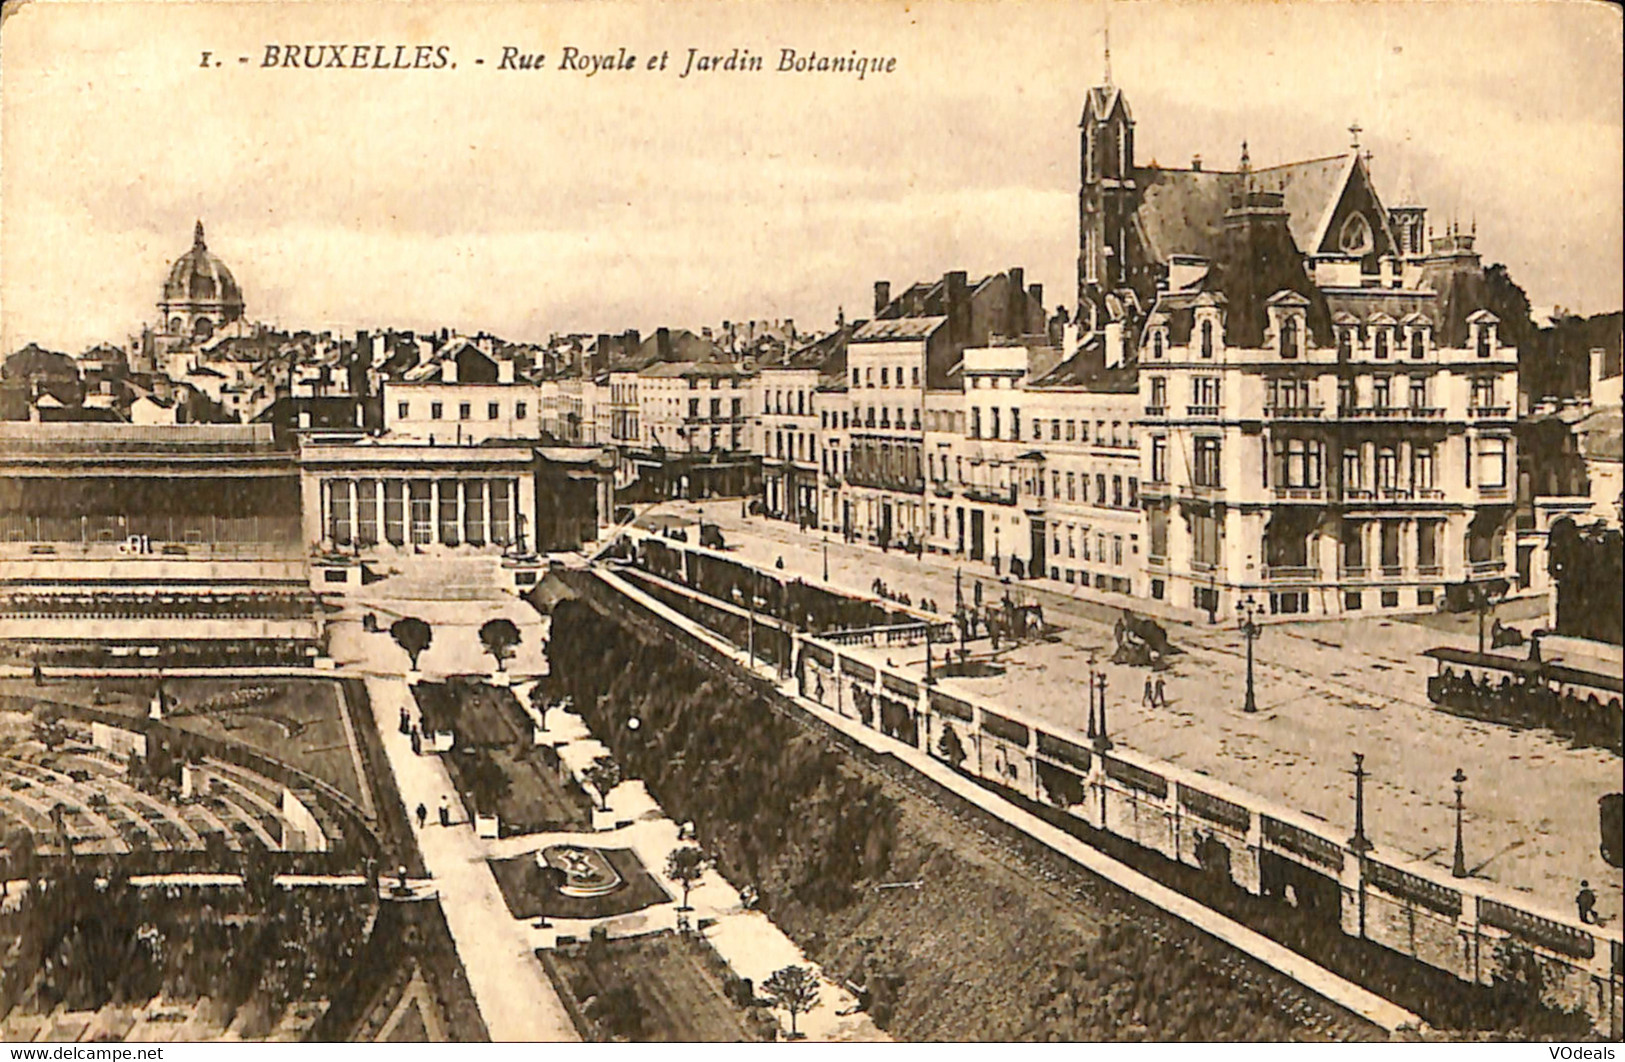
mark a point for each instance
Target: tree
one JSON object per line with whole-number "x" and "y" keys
{"x": 604, "y": 774}
{"x": 500, "y": 638}
{"x": 950, "y": 748}
{"x": 794, "y": 990}
{"x": 539, "y": 702}
{"x": 685, "y": 866}
{"x": 488, "y": 783}
{"x": 413, "y": 635}
{"x": 48, "y": 726}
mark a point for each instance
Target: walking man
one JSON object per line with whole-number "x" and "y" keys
{"x": 445, "y": 812}
{"x": 423, "y": 815}
{"x": 417, "y": 742}
{"x": 406, "y": 721}
{"x": 1159, "y": 695}
{"x": 1586, "y": 901}
{"x": 1148, "y": 699}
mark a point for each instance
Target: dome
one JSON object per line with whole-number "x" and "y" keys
{"x": 199, "y": 277}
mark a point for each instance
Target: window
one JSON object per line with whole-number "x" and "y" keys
{"x": 1390, "y": 543}
{"x": 436, "y": 410}
{"x": 1159, "y": 392}
{"x": 1345, "y": 396}
{"x": 1427, "y": 544}
{"x": 1380, "y": 393}
{"x": 716, "y": 409}
{"x": 1015, "y": 423}
{"x": 1071, "y": 431}
{"x": 1298, "y": 463}
{"x": 993, "y": 414}
{"x": 1353, "y": 542}
{"x": 1289, "y": 337}
{"x": 694, "y": 409}
{"x": 1100, "y": 488}
{"x": 492, "y": 411}
{"x": 1380, "y": 344}
{"x": 976, "y": 422}
{"x": 854, "y": 379}
{"x": 1345, "y": 342}
{"x": 869, "y": 376}
{"x": 1204, "y": 392}
{"x": 1159, "y": 459}
{"x": 883, "y": 376}
{"x": 736, "y": 407}
{"x": 1483, "y": 341}
{"x": 1419, "y": 392}
{"x": 1071, "y": 486}
{"x": 1207, "y": 462}
{"x": 1207, "y": 339}
{"x": 1492, "y": 463}
{"x": 1117, "y": 493}
{"x": 1156, "y": 345}
{"x": 1055, "y": 430}
{"x": 403, "y": 410}
{"x": 1419, "y": 344}
{"x": 1387, "y": 469}
{"x": 1422, "y": 468}
{"x": 916, "y": 376}
{"x": 521, "y": 410}
{"x": 1483, "y": 392}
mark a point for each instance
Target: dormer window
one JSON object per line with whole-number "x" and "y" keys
{"x": 1419, "y": 344}
{"x": 1207, "y": 339}
{"x": 1485, "y": 343}
{"x": 1355, "y": 237}
{"x": 1157, "y": 345}
{"x": 1380, "y": 345}
{"x": 1289, "y": 337}
{"x": 1345, "y": 342}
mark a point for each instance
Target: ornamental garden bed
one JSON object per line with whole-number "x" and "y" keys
{"x": 526, "y": 892}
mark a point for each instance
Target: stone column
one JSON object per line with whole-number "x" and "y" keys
{"x": 355, "y": 511}
{"x": 378, "y": 510}
{"x": 327, "y": 510}
{"x": 485, "y": 510}
{"x": 462, "y": 510}
{"x": 434, "y": 510}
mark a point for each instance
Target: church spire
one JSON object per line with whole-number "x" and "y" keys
{"x": 1108, "y": 50}
{"x": 197, "y": 236}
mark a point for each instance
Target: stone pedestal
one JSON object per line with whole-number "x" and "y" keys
{"x": 605, "y": 820}
{"x": 487, "y": 827}
{"x": 500, "y": 678}
{"x": 443, "y": 741}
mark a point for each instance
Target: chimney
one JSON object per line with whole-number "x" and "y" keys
{"x": 1015, "y": 309}
{"x": 957, "y": 305}
{"x": 505, "y": 371}
{"x": 663, "y": 344}
{"x": 1196, "y": 163}
{"x": 448, "y": 370}
{"x": 882, "y": 295}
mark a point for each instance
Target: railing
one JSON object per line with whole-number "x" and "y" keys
{"x": 1200, "y": 490}
{"x": 1486, "y": 567}
{"x": 1154, "y": 561}
{"x": 1293, "y": 412}
{"x": 1354, "y": 573}
{"x": 1488, "y": 412}
{"x": 1300, "y": 493}
{"x": 1430, "y": 569}
{"x": 1494, "y": 493}
{"x": 1393, "y": 571}
{"x": 1202, "y": 411}
{"x": 997, "y": 495}
{"x": 1281, "y": 573}
{"x": 942, "y": 489}
{"x": 1391, "y": 412}
{"x": 1156, "y": 411}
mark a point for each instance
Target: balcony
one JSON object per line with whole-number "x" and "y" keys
{"x": 942, "y": 489}
{"x": 1359, "y": 572}
{"x": 1202, "y": 411}
{"x": 1289, "y": 573}
{"x": 1430, "y": 570}
{"x": 1293, "y": 412}
{"x": 1156, "y": 411}
{"x": 1393, "y": 571}
{"x": 1391, "y": 413}
{"x": 1200, "y": 490}
{"x": 1154, "y": 490}
{"x": 995, "y": 495}
{"x": 1489, "y": 412}
{"x": 1300, "y": 494}
{"x": 1494, "y": 493}
{"x": 1486, "y": 567}
{"x": 1393, "y": 496}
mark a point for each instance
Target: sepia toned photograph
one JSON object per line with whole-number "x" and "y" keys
{"x": 811, "y": 520}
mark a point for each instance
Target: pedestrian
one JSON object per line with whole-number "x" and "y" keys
{"x": 1586, "y": 901}
{"x": 423, "y": 815}
{"x": 406, "y": 721}
{"x": 779, "y": 563}
{"x": 445, "y": 812}
{"x": 417, "y": 742}
{"x": 1160, "y": 695}
{"x": 1148, "y": 699}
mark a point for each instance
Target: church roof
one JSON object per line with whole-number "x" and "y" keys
{"x": 1309, "y": 191}
{"x": 199, "y": 276}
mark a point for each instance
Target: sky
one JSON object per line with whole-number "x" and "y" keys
{"x": 528, "y": 202}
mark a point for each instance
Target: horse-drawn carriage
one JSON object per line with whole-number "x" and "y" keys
{"x": 1141, "y": 642}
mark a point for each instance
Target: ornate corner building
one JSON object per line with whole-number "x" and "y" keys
{"x": 1326, "y": 404}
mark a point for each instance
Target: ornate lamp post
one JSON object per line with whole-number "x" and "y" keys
{"x": 1250, "y": 630}
{"x": 1360, "y": 843}
{"x": 1458, "y": 868}
{"x": 1093, "y": 731}
{"x": 1103, "y": 741}
{"x": 826, "y": 556}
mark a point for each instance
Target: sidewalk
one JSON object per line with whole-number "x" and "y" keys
{"x": 1325, "y": 690}
{"x": 515, "y": 997}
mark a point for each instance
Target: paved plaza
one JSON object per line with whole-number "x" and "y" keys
{"x": 1325, "y": 690}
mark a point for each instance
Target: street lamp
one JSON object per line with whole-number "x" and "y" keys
{"x": 1458, "y": 868}
{"x": 1102, "y": 741}
{"x": 1093, "y": 731}
{"x": 1250, "y": 630}
{"x": 826, "y": 556}
{"x": 1360, "y": 844}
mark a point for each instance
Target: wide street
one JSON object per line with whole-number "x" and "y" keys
{"x": 1325, "y": 691}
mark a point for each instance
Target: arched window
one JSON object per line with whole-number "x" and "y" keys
{"x": 1419, "y": 345}
{"x": 1207, "y": 339}
{"x": 202, "y": 328}
{"x": 1289, "y": 337}
{"x": 1355, "y": 237}
{"x": 1381, "y": 344}
{"x": 1483, "y": 341}
{"x": 1156, "y": 344}
{"x": 174, "y": 325}
{"x": 1345, "y": 342}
